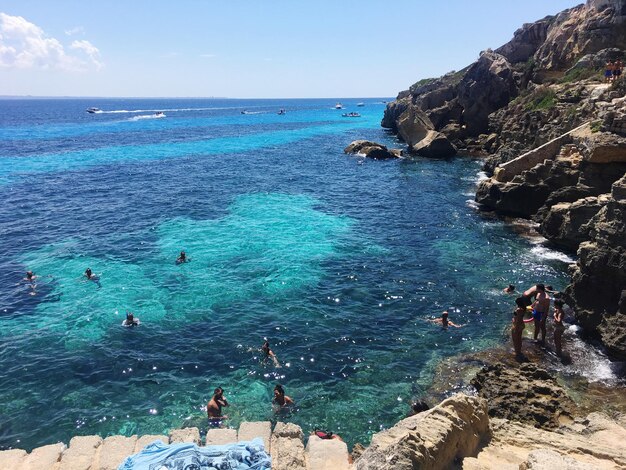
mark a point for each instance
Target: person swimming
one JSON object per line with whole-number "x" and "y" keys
{"x": 510, "y": 289}
{"x": 280, "y": 398}
{"x": 30, "y": 276}
{"x": 269, "y": 354}
{"x": 182, "y": 258}
{"x": 444, "y": 321}
{"x": 130, "y": 320}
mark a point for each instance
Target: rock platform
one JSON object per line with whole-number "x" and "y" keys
{"x": 285, "y": 444}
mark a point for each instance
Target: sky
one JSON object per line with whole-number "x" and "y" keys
{"x": 247, "y": 49}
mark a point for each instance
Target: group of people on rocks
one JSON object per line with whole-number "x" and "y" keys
{"x": 613, "y": 70}
{"x": 537, "y": 300}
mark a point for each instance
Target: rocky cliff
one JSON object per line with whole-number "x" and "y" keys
{"x": 553, "y": 135}
{"x": 458, "y": 433}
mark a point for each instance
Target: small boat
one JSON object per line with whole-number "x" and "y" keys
{"x": 351, "y": 114}
{"x": 338, "y": 106}
{"x": 159, "y": 114}
{"x": 360, "y": 105}
{"x": 94, "y": 110}
{"x": 281, "y": 112}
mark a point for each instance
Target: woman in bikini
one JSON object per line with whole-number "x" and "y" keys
{"x": 559, "y": 328}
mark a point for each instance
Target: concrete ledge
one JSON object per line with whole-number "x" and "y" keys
{"x": 287, "y": 447}
{"x": 262, "y": 429}
{"x": 185, "y": 435}
{"x": 216, "y": 437}
{"x": 11, "y": 458}
{"x": 143, "y": 441}
{"x": 114, "y": 451}
{"x": 81, "y": 453}
{"x": 329, "y": 454}
{"x": 47, "y": 457}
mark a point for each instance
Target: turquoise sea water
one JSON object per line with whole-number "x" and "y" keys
{"x": 338, "y": 261}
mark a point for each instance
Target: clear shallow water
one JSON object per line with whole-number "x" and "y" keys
{"x": 336, "y": 260}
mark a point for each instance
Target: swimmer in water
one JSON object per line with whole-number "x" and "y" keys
{"x": 130, "y": 320}
{"x": 269, "y": 354}
{"x": 444, "y": 322}
{"x": 92, "y": 277}
{"x": 214, "y": 408}
{"x": 280, "y": 398}
{"x": 182, "y": 258}
{"x": 509, "y": 290}
{"x": 30, "y": 277}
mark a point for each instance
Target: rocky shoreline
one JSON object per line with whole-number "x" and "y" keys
{"x": 553, "y": 135}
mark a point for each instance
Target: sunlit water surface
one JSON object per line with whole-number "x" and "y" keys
{"x": 337, "y": 260}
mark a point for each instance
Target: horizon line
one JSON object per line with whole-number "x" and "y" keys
{"x": 185, "y": 97}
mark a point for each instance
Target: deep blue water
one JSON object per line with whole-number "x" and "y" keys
{"x": 338, "y": 261}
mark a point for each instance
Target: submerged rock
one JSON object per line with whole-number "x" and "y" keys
{"x": 372, "y": 150}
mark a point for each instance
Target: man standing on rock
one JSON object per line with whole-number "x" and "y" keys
{"x": 541, "y": 307}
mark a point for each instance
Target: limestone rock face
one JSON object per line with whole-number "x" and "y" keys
{"x": 430, "y": 440}
{"x": 372, "y": 150}
{"x": 329, "y": 454}
{"x": 81, "y": 453}
{"x": 488, "y": 85}
{"x": 526, "y": 40}
{"x": 597, "y": 292}
{"x": 581, "y": 30}
{"x": 527, "y": 394}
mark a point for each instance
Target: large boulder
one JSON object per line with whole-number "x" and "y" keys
{"x": 413, "y": 125}
{"x": 372, "y": 150}
{"x": 434, "y": 439}
{"x": 434, "y": 145}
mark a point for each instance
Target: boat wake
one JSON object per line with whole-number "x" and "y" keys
{"x": 147, "y": 116}
{"x": 172, "y": 110}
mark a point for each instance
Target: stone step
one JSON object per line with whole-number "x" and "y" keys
{"x": 114, "y": 451}
{"x": 217, "y": 437}
{"x": 253, "y": 429}
{"x": 12, "y": 458}
{"x": 287, "y": 447}
{"x": 81, "y": 453}
{"x": 327, "y": 454}
{"x": 185, "y": 435}
{"x": 48, "y": 457}
{"x": 143, "y": 441}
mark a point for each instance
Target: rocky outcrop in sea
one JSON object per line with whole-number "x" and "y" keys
{"x": 553, "y": 135}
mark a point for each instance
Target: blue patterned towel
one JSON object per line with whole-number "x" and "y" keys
{"x": 249, "y": 455}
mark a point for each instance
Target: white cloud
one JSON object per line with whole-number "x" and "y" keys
{"x": 207, "y": 56}
{"x": 90, "y": 50}
{"x": 76, "y": 30}
{"x": 25, "y": 45}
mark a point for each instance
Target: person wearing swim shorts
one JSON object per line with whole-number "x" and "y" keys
{"x": 608, "y": 71}
{"x": 559, "y": 327}
{"x": 518, "y": 325}
{"x": 541, "y": 307}
{"x": 214, "y": 408}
